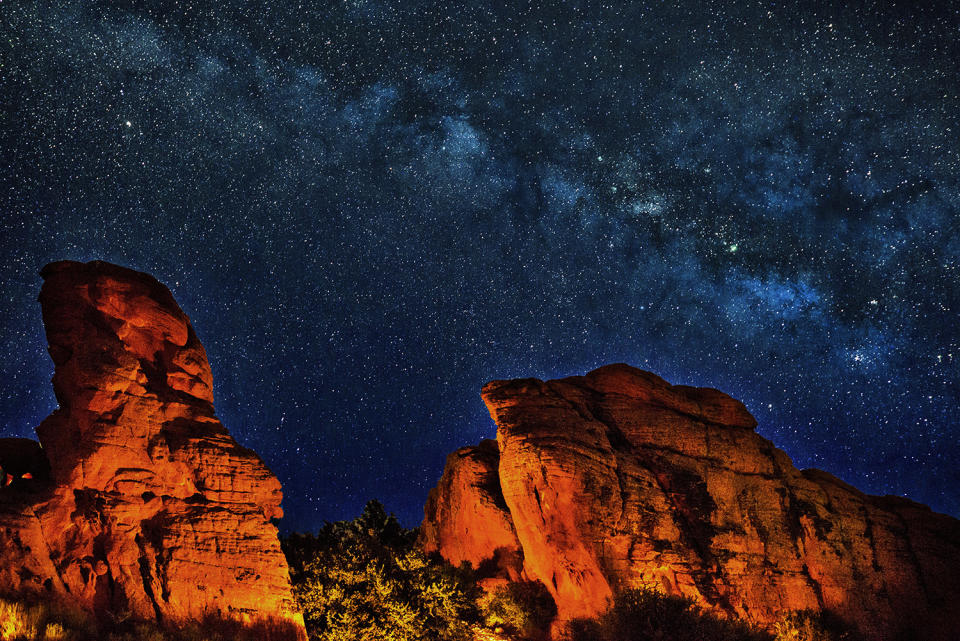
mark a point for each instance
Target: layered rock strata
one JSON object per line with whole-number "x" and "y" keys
{"x": 152, "y": 509}
{"x": 618, "y": 479}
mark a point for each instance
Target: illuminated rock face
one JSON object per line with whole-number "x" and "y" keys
{"x": 152, "y": 509}
{"x": 617, "y": 479}
{"x": 467, "y": 518}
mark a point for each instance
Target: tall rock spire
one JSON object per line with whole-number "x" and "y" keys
{"x": 152, "y": 509}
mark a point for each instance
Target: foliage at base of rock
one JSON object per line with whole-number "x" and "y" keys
{"x": 35, "y": 621}
{"x": 809, "y": 625}
{"x": 523, "y": 609}
{"x": 645, "y": 615}
{"x": 27, "y": 621}
{"x": 367, "y": 579}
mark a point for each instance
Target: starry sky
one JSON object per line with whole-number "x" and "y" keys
{"x": 371, "y": 208}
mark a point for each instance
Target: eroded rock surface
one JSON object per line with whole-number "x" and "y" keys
{"x": 467, "y": 518}
{"x": 152, "y": 509}
{"x": 618, "y": 479}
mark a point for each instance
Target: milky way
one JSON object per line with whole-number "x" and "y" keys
{"x": 369, "y": 209}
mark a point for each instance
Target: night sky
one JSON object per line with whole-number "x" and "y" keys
{"x": 369, "y": 209}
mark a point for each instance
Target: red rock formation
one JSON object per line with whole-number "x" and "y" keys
{"x": 153, "y": 509}
{"x": 617, "y": 479}
{"x": 467, "y": 518}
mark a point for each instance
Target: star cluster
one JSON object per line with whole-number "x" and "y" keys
{"x": 370, "y": 208}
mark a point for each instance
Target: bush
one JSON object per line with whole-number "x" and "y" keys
{"x": 366, "y": 580}
{"x": 524, "y": 609}
{"x": 808, "y": 625}
{"x": 646, "y": 615}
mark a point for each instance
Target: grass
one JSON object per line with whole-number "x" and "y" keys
{"x": 25, "y": 621}
{"x": 21, "y": 621}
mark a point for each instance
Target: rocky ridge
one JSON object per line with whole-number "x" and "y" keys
{"x": 152, "y": 509}
{"x": 617, "y": 479}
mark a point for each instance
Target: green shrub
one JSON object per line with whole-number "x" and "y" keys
{"x": 647, "y": 615}
{"x": 808, "y": 625}
{"x": 523, "y": 608}
{"x": 366, "y": 580}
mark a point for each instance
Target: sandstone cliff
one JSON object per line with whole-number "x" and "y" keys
{"x": 151, "y": 508}
{"x": 618, "y": 479}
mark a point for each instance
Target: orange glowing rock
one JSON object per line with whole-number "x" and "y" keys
{"x": 618, "y": 479}
{"x": 467, "y": 519}
{"x": 153, "y": 509}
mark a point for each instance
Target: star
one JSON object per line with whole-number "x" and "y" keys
{"x": 368, "y": 214}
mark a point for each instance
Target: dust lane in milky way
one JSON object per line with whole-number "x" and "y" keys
{"x": 369, "y": 209}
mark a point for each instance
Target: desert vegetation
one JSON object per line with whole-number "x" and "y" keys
{"x": 32, "y": 622}
{"x": 368, "y": 579}
{"x": 643, "y": 614}
{"x": 522, "y": 610}
{"x": 807, "y": 625}
{"x": 39, "y": 621}
{"x": 647, "y": 615}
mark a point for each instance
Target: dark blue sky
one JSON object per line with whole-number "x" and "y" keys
{"x": 369, "y": 209}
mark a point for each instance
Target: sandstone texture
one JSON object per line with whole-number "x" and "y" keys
{"x": 150, "y": 508}
{"x": 618, "y": 479}
{"x": 467, "y": 518}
